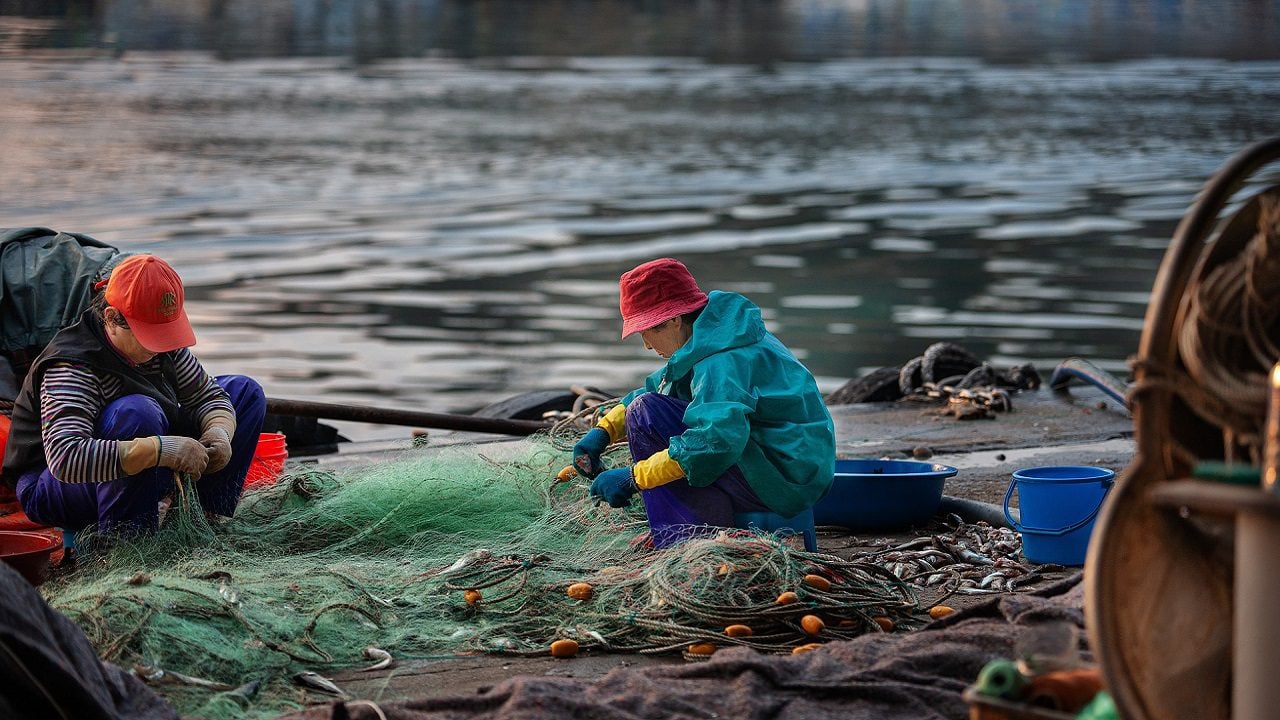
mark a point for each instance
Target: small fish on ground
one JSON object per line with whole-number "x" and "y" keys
{"x": 467, "y": 559}
{"x": 248, "y": 690}
{"x": 318, "y": 682}
{"x": 155, "y": 676}
{"x": 375, "y": 653}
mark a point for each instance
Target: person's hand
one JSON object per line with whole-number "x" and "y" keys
{"x": 586, "y": 454}
{"x": 183, "y": 454}
{"x": 614, "y": 487}
{"x": 217, "y": 444}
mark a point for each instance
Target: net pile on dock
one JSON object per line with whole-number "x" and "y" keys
{"x": 435, "y": 554}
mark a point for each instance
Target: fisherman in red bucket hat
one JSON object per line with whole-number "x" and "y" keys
{"x": 116, "y": 405}
{"x": 733, "y": 423}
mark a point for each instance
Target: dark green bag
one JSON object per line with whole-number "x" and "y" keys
{"x": 47, "y": 279}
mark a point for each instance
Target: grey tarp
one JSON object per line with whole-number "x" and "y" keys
{"x": 49, "y": 671}
{"x": 897, "y": 676}
{"x": 46, "y": 281}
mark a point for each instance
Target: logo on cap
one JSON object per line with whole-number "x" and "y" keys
{"x": 168, "y": 305}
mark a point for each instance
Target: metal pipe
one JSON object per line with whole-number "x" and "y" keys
{"x": 972, "y": 511}
{"x": 1256, "y": 632}
{"x": 410, "y": 418}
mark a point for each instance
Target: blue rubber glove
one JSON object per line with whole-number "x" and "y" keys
{"x": 586, "y": 454}
{"x": 614, "y": 487}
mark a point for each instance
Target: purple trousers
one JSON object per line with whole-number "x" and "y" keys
{"x": 678, "y": 511}
{"x": 131, "y": 504}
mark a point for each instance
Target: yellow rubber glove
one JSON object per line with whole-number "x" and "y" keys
{"x": 614, "y": 422}
{"x": 656, "y": 470}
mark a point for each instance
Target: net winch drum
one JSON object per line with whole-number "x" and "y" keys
{"x": 1164, "y": 617}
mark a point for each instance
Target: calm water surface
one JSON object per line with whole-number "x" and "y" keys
{"x": 438, "y": 232}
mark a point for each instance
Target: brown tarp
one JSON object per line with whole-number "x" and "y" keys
{"x": 907, "y": 676}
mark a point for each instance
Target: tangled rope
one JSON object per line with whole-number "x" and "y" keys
{"x": 945, "y": 373}
{"x": 588, "y": 407}
{"x": 1227, "y": 341}
{"x": 656, "y": 603}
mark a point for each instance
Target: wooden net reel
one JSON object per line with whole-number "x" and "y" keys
{"x": 1159, "y": 579}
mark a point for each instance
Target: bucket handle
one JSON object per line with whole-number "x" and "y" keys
{"x": 1008, "y": 495}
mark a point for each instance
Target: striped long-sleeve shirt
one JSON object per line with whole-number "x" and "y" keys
{"x": 73, "y": 396}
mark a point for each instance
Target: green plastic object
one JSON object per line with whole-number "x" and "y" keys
{"x": 1102, "y": 707}
{"x": 1001, "y": 679}
{"x": 1230, "y": 473}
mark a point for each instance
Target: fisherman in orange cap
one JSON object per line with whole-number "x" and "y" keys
{"x": 116, "y": 406}
{"x": 733, "y": 423}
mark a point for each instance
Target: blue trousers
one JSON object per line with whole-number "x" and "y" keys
{"x": 130, "y": 504}
{"x": 677, "y": 511}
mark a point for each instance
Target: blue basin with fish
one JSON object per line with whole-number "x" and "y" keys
{"x": 882, "y": 494}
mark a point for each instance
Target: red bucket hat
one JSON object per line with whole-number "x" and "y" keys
{"x": 149, "y": 294}
{"x": 655, "y": 292}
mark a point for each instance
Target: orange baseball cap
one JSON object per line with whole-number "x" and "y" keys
{"x": 149, "y": 294}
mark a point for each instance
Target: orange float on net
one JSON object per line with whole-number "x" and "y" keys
{"x": 564, "y": 648}
{"x": 580, "y": 591}
{"x": 812, "y": 624}
{"x": 817, "y": 581}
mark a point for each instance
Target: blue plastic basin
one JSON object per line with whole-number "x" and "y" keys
{"x": 882, "y": 494}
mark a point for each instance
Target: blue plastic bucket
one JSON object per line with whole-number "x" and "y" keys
{"x": 1057, "y": 506}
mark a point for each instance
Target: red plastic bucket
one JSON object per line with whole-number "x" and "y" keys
{"x": 4, "y": 435}
{"x": 28, "y": 553}
{"x": 268, "y": 460}
{"x": 6, "y": 495}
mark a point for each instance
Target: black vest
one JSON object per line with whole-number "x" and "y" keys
{"x": 85, "y": 343}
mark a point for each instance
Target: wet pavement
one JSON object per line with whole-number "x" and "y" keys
{"x": 1081, "y": 426}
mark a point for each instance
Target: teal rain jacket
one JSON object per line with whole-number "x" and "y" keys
{"x": 752, "y": 403}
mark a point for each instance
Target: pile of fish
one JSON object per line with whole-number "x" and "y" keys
{"x": 965, "y": 559}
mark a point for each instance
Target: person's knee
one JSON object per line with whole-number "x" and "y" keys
{"x": 643, "y": 404}
{"x": 132, "y": 416}
{"x": 242, "y": 388}
{"x": 246, "y": 395}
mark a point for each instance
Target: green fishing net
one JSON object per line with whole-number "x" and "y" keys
{"x": 436, "y": 552}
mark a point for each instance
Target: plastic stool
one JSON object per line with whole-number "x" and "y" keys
{"x": 765, "y": 521}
